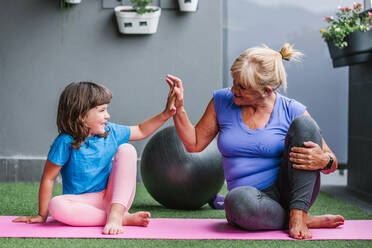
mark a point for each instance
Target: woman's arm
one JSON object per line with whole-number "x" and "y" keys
{"x": 328, "y": 151}
{"x": 195, "y": 139}
{"x": 45, "y": 194}
{"x": 313, "y": 157}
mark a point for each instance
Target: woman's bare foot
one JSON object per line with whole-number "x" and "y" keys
{"x": 324, "y": 221}
{"x": 297, "y": 225}
{"x": 136, "y": 219}
{"x": 114, "y": 220}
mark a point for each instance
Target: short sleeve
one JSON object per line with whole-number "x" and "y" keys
{"x": 221, "y": 99}
{"x": 121, "y": 133}
{"x": 60, "y": 150}
{"x": 295, "y": 109}
{"x": 216, "y": 100}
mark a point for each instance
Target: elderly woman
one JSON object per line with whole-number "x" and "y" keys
{"x": 272, "y": 149}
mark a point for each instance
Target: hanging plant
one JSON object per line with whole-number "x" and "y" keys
{"x": 140, "y": 18}
{"x": 188, "y": 5}
{"x": 349, "y": 36}
{"x": 65, "y": 4}
{"x": 347, "y": 21}
{"x": 72, "y": 2}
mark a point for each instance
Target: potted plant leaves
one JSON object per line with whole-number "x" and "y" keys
{"x": 188, "y": 5}
{"x": 349, "y": 36}
{"x": 140, "y": 18}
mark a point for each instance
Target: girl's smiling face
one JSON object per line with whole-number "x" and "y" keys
{"x": 96, "y": 119}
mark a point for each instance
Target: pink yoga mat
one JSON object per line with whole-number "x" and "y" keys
{"x": 178, "y": 229}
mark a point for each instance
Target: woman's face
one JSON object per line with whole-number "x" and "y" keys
{"x": 96, "y": 119}
{"x": 244, "y": 95}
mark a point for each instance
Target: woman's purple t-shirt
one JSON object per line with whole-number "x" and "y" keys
{"x": 252, "y": 156}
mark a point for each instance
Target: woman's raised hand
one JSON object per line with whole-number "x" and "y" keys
{"x": 31, "y": 219}
{"x": 310, "y": 157}
{"x": 176, "y": 83}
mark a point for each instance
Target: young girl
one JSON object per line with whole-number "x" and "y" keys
{"x": 94, "y": 192}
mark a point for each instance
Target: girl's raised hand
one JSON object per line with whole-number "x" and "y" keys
{"x": 176, "y": 83}
{"x": 170, "y": 108}
{"x": 30, "y": 219}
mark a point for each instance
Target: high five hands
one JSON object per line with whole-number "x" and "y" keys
{"x": 175, "y": 95}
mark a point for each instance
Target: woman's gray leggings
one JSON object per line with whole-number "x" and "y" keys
{"x": 252, "y": 209}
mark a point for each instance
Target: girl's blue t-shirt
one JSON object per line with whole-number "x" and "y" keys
{"x": 87, "y": 170}
{"x": 252, "y": 156}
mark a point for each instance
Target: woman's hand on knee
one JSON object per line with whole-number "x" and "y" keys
{"x": 310, "y": 157}
{"x": 31, "y": 219}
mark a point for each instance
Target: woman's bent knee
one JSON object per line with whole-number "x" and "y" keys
{"x": 303, "y": 128}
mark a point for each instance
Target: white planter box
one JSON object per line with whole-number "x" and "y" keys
{"x": 188, "y": 5}
{"x": 134, "y": 23}
{"x": 73, "y": 1}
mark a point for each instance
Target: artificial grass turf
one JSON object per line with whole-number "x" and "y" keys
{"x": 22, "y": 199}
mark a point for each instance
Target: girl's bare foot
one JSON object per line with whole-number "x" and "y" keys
{"x": 118, "y": 218}
{"x": 297, "y": 225}
{"x": 114, "y": 220}
{"x": 322, "y": 221}
{"x": 136, "y": 219}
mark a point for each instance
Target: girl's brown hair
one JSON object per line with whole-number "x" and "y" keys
{"x": 74, "y": 103}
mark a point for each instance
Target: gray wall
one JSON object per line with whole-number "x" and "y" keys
{"x": 43, "y": 48}
{"x": 314, "y": 82}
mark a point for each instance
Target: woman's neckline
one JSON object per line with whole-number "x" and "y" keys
{"x": 245, "y": 127}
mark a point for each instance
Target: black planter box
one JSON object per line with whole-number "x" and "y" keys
{"x": 359, "y": 49}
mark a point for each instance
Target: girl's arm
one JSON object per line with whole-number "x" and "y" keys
{"x": 195, "y": 139}
{"x": 149, "y": 126}
{"x": 45, "y": 194}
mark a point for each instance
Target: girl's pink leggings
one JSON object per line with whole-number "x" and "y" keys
{"x": 91, "y": 209}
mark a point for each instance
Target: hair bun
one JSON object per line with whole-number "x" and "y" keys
{"x": 288, "y": 53}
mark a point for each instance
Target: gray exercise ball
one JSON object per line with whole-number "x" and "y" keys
{"x": 176, "y": 178}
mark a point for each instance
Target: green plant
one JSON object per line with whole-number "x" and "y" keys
{"x": 140, "y": 6}
{"x": 348, "y": 20}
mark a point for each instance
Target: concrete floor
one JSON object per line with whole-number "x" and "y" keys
{"x": 335, "y": 184}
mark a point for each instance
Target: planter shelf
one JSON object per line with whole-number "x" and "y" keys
{"x": 359, "y": 49}
{"x": 130, "y": 22}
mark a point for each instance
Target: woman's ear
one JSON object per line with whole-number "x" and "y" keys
{"x": 267, "y": 91}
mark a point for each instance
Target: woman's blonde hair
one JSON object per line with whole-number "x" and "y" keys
{"x": 258, "y": 67}
{"x": 74, "y": 103}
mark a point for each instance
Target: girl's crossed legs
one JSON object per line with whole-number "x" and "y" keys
{"x": 109, "y": 207}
